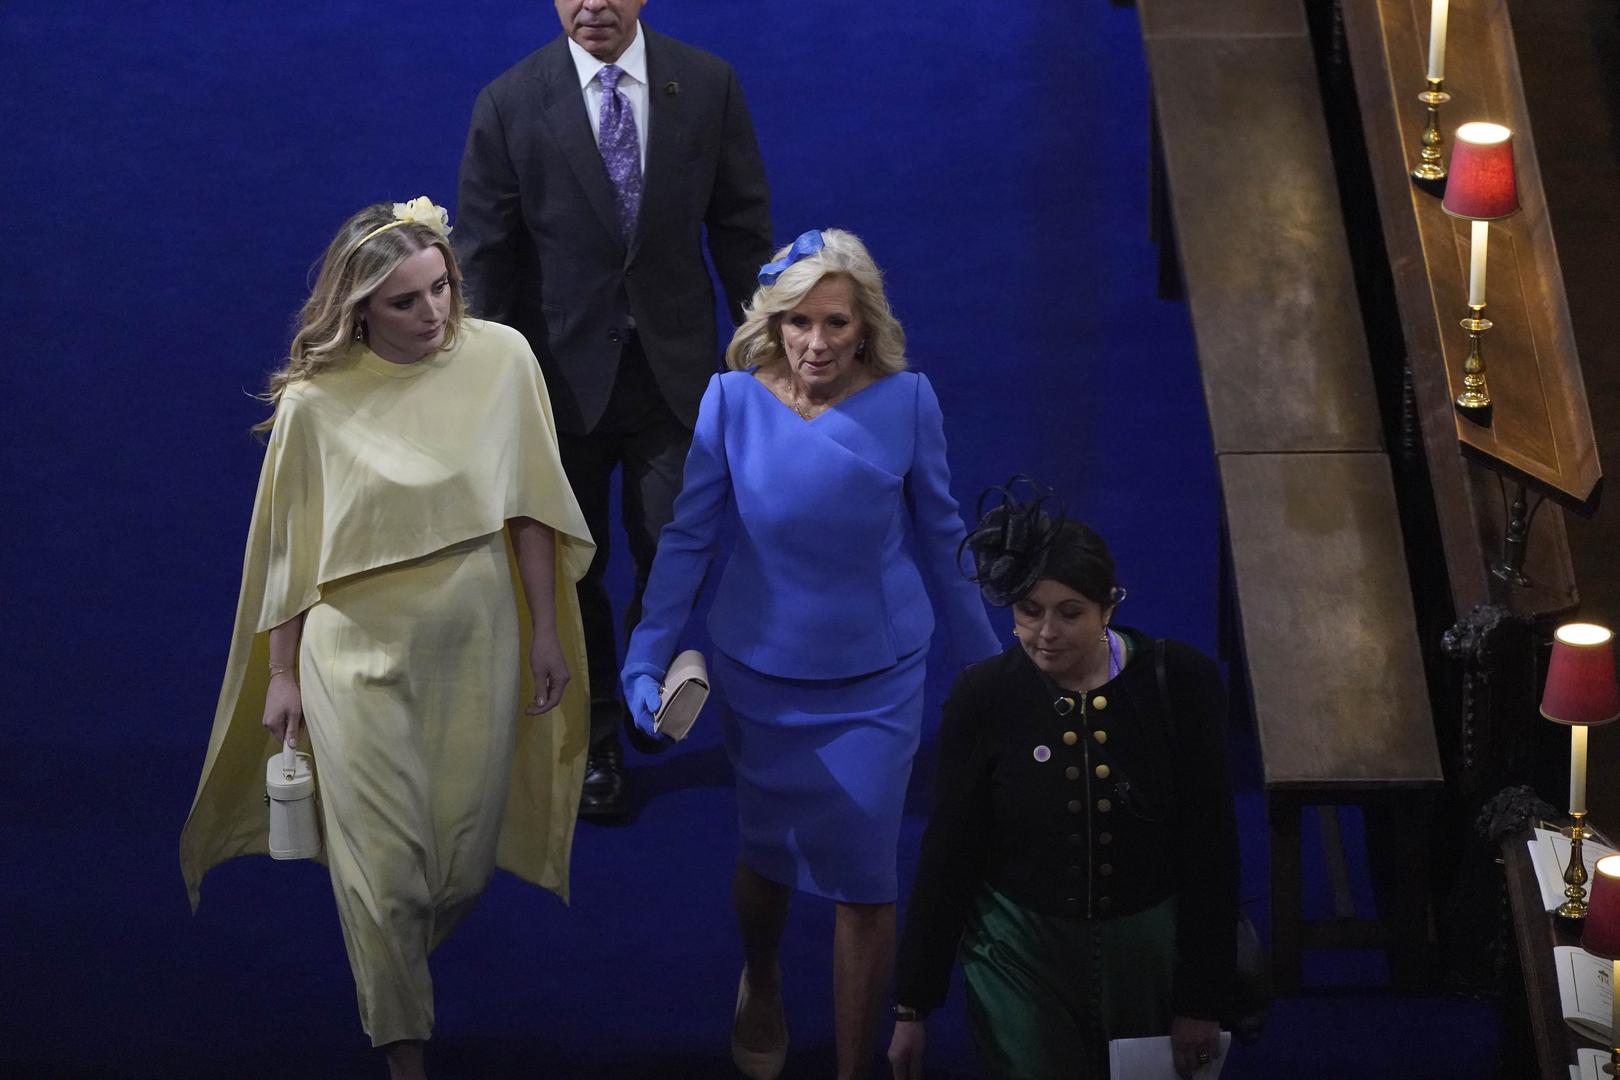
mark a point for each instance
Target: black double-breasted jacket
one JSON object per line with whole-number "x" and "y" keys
{"x": 1083, "y": 805}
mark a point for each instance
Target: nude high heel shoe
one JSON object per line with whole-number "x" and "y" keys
{"x": 758, "y": 1064}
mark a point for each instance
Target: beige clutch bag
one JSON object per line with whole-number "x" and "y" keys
{"x": 686, "y": 688}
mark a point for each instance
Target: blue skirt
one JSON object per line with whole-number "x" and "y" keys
{"x": 822, "y": 767}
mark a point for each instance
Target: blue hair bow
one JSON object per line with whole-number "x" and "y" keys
{"x": 806, "y": 245}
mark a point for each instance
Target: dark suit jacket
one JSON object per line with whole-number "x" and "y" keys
{"x": 539, "y": 241}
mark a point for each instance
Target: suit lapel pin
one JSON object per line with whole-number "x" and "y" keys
{"x": 672, "y": 88}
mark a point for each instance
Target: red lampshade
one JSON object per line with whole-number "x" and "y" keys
{"x": 1479, "y": 181}
{"x": 1601, "y": 934}
{"x": 1580, "y": 679}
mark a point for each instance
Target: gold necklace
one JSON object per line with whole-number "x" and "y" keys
{"x": 804, "y": 411}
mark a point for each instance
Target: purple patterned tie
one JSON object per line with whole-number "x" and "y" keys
{"x": 621, "y": 150}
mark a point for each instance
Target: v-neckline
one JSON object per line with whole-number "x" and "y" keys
{"x": 753, "y": 377}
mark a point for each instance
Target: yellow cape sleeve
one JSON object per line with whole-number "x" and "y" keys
{"x": 228, "y": 816}
{"x": 290, "y": 555}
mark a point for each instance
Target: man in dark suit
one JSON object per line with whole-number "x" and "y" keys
{"x": 591, "y": 170}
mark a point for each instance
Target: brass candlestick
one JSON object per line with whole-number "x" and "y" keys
{"x": 1574, "y": 905}
{"x": 1432, "y": 168}
{"x": 1475, "y": 395}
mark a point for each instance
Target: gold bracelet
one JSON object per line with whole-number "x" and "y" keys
{"x": 280, "y": 669}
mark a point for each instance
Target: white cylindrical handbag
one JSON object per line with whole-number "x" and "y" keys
{"x": 289, "y": 781}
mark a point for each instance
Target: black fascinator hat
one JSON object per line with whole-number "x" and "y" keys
{"x": 1021, "y": 540}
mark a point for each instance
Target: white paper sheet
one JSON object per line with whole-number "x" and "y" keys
{"x": 1150, "y": 1059}
{"x": 1584, "y": 994}
{"x": 1589, "y": 1065}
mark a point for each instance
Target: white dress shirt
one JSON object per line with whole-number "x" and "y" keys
{"x": 632, "y": 84}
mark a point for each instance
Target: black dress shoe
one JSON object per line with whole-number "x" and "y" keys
{"x": 603, "y": 798}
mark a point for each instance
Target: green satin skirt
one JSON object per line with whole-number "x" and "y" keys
{"x": 1045, "y": 993}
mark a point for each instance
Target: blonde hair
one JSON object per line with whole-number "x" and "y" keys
{"x": 357, "y": 262}
{"x": 759, "y": 339}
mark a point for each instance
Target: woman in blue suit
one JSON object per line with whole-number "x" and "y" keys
{"x": 831, "y": 455}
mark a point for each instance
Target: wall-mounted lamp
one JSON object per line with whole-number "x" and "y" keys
{"x": 1481, "y": 188}
{"x": 1580, "y": 693}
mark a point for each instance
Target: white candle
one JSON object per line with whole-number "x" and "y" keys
{"x": 1479, "y": 243}
{"x": 1577, "y": 768}
{"x": 1437, "y": 38}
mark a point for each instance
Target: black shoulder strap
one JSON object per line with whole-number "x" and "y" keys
{"x": 1164, "y": 685}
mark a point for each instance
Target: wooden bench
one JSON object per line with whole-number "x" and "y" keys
{"x": 1326, "y": 651}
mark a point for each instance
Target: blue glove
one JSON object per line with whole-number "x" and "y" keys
{"x": 644, "y": 697}
{"x": 643, "y": 694}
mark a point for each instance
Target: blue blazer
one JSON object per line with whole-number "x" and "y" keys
{"x": 839, "y": 521}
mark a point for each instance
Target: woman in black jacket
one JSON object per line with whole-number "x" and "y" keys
{"x": 1081, "y": 858}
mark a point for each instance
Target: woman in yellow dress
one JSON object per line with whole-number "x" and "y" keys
{"x": 407, "y": 594}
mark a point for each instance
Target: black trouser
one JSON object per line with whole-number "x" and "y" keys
{"x": 639, "y": 432}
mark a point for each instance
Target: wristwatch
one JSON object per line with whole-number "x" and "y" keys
{"x": 906, "y": 1014}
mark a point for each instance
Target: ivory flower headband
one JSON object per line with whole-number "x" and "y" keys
{"x": 419, "y": 211}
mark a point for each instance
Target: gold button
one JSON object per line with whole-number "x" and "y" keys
{"x": 1105, "y": 805}
{"x": 1099, "y": 702}
{"x": 1075, "y": 806}
{"x": 1106, "y": 870}
{"x": 1075, "y": 839}
{"x": 1104, "y": 903}
{"x": 1070, "y": 738}
{"x": 1102, "y": 772}
{"x": 1072, "y": 772}
{"x": 1075, "y": 872}
{"x": 1073, "y": 901}
{"x": 1105, "y": 838}
{"x": 1100, "y": 736}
